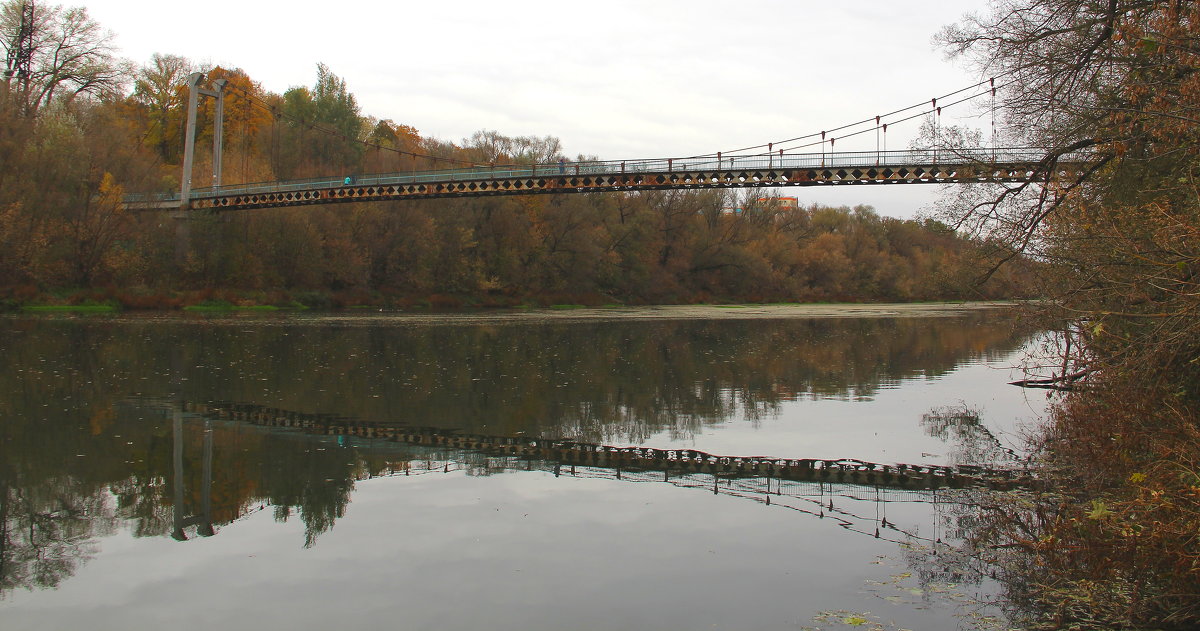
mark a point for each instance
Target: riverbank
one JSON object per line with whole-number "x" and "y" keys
{"x": 688, "y": 312}
{"x": 98, "y": 300}
{"x": 567, "y": 313}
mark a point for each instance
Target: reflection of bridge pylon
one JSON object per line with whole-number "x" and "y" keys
{"x": 180, "y": 520}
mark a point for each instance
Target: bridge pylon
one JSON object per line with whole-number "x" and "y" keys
{"x": 217, "y": 91}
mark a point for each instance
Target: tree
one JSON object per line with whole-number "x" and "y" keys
{"x": 488, "y": 146}
{"x": 1116, "y": 84}
{"x": 69, "y": 53}
{"x": 245, "y": 119}
{"x": 393, "y": 147}
{"x": 160, "y": 88}
{"x": 323, "y": 125}
{"x": 1111, "y": 88}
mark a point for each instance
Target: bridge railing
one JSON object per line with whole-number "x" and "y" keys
{"x": 827, "y": 160}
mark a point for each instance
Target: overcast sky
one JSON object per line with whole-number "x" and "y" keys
{"x": 616, "y": 79}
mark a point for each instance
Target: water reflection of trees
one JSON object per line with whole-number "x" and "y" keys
{"x": 597, "y": 381}
{"x": 230, "y": 470}
{"x": 74, "y": 465}
{"x": 48, "y": 530}
{"x": 52, "y": 515}
{"x": 970, "y": 440}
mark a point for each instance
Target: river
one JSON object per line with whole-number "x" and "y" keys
{"x": 340, "y": 471}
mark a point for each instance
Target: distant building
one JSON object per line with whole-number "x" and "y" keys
{"x": 781, "y": 202}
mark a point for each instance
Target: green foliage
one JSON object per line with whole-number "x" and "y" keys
{"x": 81, "y": 308}
{"x": 321, "y": 130}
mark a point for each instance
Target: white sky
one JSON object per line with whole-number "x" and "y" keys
{"x": 616, "y": 79}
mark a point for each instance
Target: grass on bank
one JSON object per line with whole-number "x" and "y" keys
{"x": 92, "y": 308}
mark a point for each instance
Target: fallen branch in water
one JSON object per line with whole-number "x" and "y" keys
{"x": 1063, "y": 382}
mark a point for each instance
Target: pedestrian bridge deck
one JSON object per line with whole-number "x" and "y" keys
{"x": 924, "y": 166}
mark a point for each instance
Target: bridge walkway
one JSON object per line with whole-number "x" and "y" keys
{"x": 924, "y": 166}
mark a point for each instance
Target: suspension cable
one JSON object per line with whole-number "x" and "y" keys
{"x": 875, "y": 119}
{"x": 929, "y": 107}
{"x": 926, "y": 112}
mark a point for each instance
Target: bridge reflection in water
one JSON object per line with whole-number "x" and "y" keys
{"x": 833, "y": 489}
{"x": 203, "y": 520}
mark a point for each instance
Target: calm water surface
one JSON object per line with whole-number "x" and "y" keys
{"x": 130, "y": 497}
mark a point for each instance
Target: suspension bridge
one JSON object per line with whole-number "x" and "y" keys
{"x": 746, "y": 171}
{"x": 790, "y": 162}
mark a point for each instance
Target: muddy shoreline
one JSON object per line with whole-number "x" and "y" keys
{"x": 373, "y": 317}
{"x": 680, "y": 312}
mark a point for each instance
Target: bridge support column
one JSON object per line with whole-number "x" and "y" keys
{"x": 189, "y": 139}
{"x": 183, "y": 236}
{"x": 216, "y": 91}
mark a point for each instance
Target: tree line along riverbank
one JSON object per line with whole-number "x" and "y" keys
{"x": 72, "y": 143}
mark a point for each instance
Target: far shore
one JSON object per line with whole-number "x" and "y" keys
{"x": 697, "y": 312}
{"x": 574, "y": 313}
